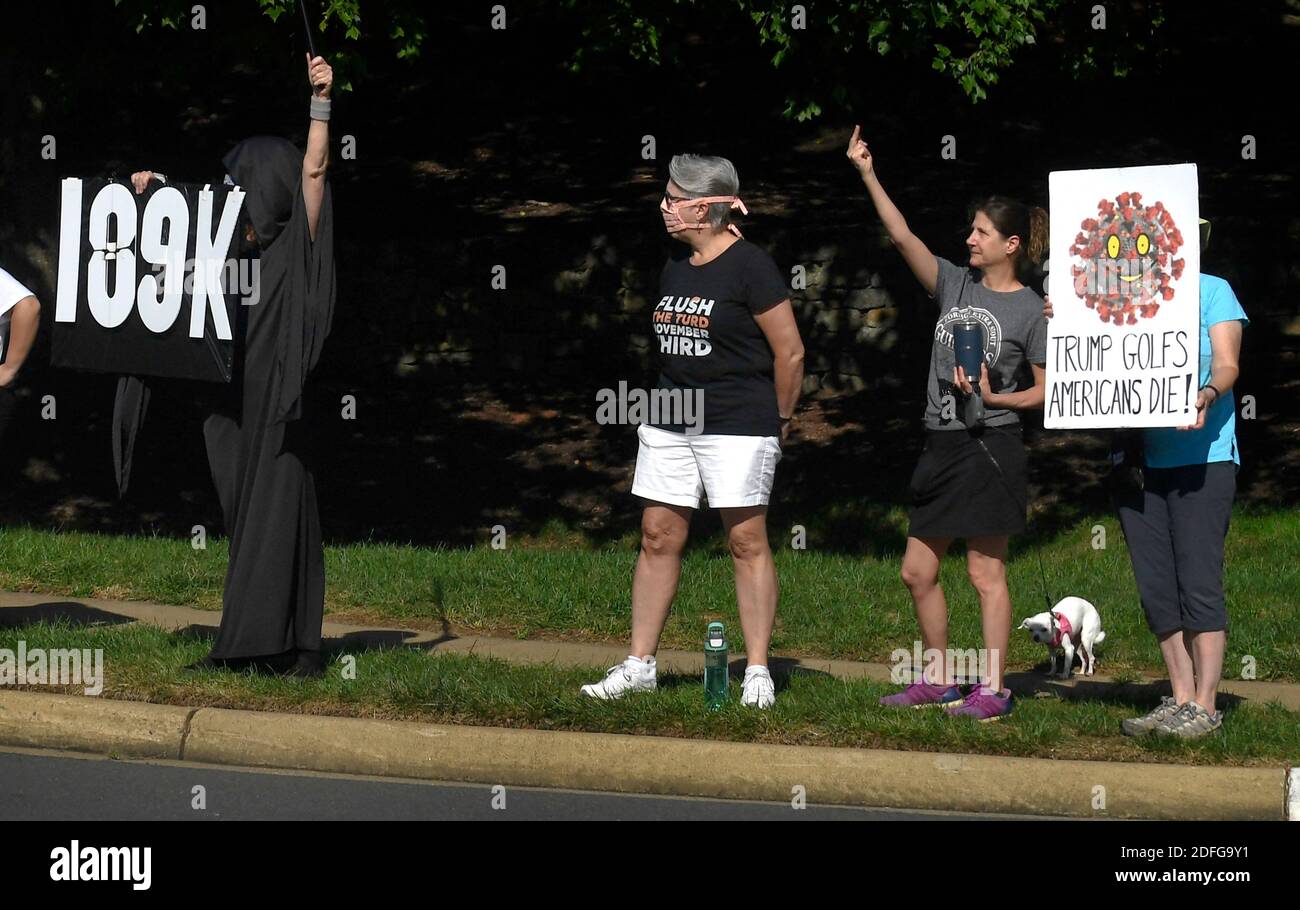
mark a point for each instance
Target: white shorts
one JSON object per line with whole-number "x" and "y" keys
{"x": 734, "y": 471}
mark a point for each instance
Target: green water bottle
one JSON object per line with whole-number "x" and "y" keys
{"x": 715, "y": 667}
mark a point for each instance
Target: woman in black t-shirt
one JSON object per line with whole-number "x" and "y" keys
{"x": 971, "y": 480}
{"x": 732, "y": 369}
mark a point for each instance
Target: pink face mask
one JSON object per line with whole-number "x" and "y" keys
{"x": 673, "y": 222}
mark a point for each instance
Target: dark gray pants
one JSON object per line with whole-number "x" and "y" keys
{"x": 1175, "y": 527}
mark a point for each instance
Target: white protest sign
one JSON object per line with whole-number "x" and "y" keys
{"x": 1123, "y": 341}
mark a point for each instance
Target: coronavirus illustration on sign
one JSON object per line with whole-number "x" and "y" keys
{"x": 1126, "y": 262}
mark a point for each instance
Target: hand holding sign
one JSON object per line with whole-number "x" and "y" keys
{"x": 140, "y": 180}
{"x": 1203, "y": 401}
{"x": 321, "y": 76}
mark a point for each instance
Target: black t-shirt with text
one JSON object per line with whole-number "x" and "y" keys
{"x": 704, "y": 330}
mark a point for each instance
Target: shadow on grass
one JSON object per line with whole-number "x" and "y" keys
{"x": 68, "y": 612}
{"x": 1142, "y": 694}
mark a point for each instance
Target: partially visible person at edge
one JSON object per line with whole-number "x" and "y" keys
{"x": 20, "y": 318}
{"x": 727, "y": 339}
{"x": 1176, "y": 522}
{"x": 970, "y": 482}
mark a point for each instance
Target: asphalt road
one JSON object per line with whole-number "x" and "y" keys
{"x": 54, "y": 786}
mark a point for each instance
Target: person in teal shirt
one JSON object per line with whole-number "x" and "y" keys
{"x": 1176, "y": 525}
{"x": 1177, "y": 522}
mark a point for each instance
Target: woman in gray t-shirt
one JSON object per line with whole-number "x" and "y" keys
{"x": 971, "y": 480}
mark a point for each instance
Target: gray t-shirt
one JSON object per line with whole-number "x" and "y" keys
{"x": 1015, "y": 335}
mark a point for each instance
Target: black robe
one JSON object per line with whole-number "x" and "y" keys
{"x": 274, "y": 597}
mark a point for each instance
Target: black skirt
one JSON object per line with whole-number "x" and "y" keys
{"x": 959, "y": 491}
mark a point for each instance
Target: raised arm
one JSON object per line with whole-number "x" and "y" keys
{"x": 316, "y": 161}
{"x": 915, "y": 253}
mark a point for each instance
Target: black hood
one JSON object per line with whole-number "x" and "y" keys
{"x": 269, "y": 170}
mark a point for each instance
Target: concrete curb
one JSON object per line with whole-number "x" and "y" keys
{"x": 643, "y": 764}
{"x": 83, "y": 724}
{"x": 579, "y": 654}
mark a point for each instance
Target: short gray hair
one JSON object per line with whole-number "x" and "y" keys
{"x": 707, "y": 175}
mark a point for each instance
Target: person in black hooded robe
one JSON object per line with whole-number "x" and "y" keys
{"x": 274, "y": 598}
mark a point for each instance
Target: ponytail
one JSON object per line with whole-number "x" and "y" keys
{"x": 1036, "y": 248}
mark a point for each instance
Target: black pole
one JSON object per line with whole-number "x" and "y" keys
{"x": 311, "y": 45}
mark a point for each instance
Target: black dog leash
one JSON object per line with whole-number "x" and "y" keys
{"x": 1006, "y": 484}
{"x": 974, "y": 411}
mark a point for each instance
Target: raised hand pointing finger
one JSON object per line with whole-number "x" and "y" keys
{"x": 858, "y": 152}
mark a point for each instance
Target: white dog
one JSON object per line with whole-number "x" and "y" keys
{"x": 1072, "y": 623}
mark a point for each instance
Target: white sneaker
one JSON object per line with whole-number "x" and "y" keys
{"x": 758, "y": 689}
{"x": 632, "y": 675}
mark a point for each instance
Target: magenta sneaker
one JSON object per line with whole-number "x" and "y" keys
{"x": 984, "y": 704}
{"x": 923, "y": 695}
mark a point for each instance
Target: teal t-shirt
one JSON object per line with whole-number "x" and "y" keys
{"x": 1167, "y": 447}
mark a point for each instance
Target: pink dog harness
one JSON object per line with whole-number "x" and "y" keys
{"x": 1065, "y": 631}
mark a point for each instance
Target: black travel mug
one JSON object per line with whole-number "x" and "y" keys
{"x": 968, "y": 345}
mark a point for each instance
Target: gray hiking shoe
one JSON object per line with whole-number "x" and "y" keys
{"x": 1141, "y": 726}
{"x": 1191, "y": 722}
